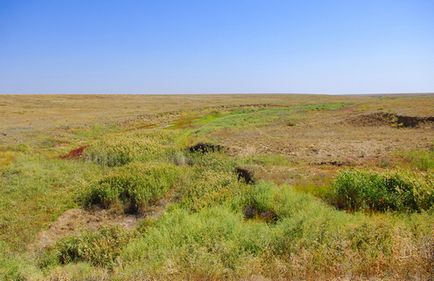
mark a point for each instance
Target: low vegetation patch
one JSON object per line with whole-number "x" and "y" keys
{"x": 420, "y": 159}
{"x": 133, "y": 187}
{"x": 118, "y": 150}
{"x": 257, "y": 116}
{"x": 397, "y": 191}
{"x": 99, "y": 248}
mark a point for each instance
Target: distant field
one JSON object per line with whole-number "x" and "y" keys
{"x": 212, "y": 187}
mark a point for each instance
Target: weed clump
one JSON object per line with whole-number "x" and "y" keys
{"x": 99, "y": 248}
{"x": 133, "y": 187}
{"x": 358, "y": 190}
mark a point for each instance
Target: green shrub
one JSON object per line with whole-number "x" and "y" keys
{"x": 100, "y": 248}
{"x": 133, "y": 187}
{"x": 355, "y": 190}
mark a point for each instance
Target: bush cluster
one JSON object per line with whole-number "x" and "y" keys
{"x": 99, "y": 248}
{"x": 398, "y": 191}
{"x": 133, "y": 187}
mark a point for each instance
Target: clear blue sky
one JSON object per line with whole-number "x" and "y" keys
{"x": 220, "y": 46}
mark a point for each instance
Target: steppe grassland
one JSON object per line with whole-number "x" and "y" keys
{"x": 294, "y": 223}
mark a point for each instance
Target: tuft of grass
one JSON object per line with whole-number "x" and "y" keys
{"x": 99, "y": 248}
{"x": 118, "y": 150}
{"x": 398, "y": 191}
{"x": 133, "y": 187}
{"x": 421, "y": 159}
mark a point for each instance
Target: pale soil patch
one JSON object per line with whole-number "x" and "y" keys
{"x": 325, "y": 140}
{"x": 391, "y": 119}
{"x": 74, "y": 221}
{"x": 322, "y": 143}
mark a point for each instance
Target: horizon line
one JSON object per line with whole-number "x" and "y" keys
{"x": 227, "y": 93}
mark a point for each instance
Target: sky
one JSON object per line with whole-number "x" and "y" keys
{"x": 220, "y": 46}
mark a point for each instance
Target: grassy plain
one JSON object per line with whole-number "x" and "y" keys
{"x": 104, "y": 187}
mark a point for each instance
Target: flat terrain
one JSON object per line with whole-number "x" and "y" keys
{"x": 112, "y": 187}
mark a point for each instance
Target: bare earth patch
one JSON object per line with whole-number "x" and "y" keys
{"x": 391, "y": 119}
{"x": 74, "y": 221}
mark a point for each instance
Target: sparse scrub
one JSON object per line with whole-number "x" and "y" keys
{"x": 133, "y": 187}
{"x": 398, "y": 191}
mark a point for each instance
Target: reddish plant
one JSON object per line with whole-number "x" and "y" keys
{"x": 76, "y": 153}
